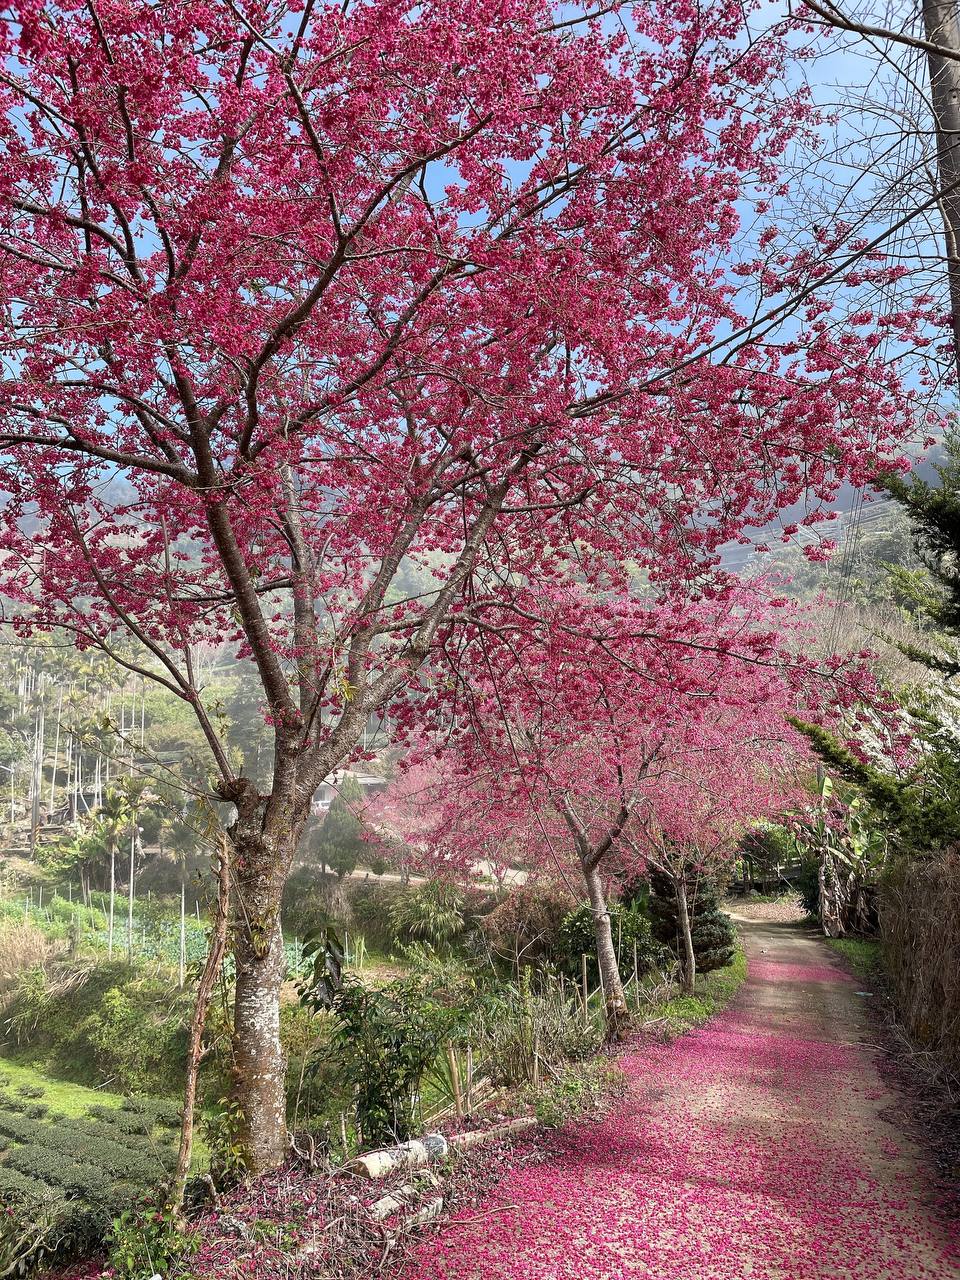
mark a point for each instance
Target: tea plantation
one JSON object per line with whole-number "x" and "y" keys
{"x": 65, "y": 1177}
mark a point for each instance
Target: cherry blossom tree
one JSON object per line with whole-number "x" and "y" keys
{"x": 654, "y": 742}
{"x": 739, "y": 764}
{"x": 325, "y": 324}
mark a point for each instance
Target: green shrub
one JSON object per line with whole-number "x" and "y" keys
{"x": 105, "y": 1021}
{"x": 576, "y": 1091}
{"x": 222, "y": 1128}
{"x": 714, "y": 937}
{"x": 30, "y": 1091}
{"x": 145, "y": 1240}
{"x": 432, "y": 913}
{"x": 382, "y": 1043}
{"x": 525, "y": 926}
{"x": 30, "y": 1230}
{"x": 312, "y": 900}
{"x": 71, "y": 1176}
{"x": 630, "y": 928}
{"x": 371, "y": 904}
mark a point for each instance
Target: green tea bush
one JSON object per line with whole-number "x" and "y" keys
{"x": 19, "y": 1128}
{"x": 18, "y": 1188}
{"x": 142, "y": 1165}
{"x": 155, "y": 1111}
{"x": 72, "y": 1176}
{"x": 30, "y": 1091}
{"x": 134, "y": 1124}
{"x": 9, "y": 1103}
{"x": 48, "y": 1165}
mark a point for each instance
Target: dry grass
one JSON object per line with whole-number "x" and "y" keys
{"x": 920, "y": 913}
{"x": 22, "y": 946}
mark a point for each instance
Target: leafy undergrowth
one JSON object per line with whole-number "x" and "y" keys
{"x": 311, "y": 1224}
{"x": 584, "y": 1088}
{"x": 677, "y": 1014}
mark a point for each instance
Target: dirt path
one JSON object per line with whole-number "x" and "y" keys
{"x": 759, "y": 1148}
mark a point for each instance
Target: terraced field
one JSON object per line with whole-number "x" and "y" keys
{"x": 71, "y": 1158}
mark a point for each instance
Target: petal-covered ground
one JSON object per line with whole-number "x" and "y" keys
{"x": 760, "y": 1148}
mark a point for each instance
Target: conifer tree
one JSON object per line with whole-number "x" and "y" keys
{"x": 920, "y": 801}
{"x": 339, "y": 839}
{"x": 712, "y": 933}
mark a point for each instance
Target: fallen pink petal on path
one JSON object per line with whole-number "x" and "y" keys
{"x": 758, "y": 1148}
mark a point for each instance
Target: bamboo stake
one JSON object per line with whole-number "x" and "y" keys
{"x": 183, "y": 932}
{"x": 636, "y": 975}
{"x": 455, "y": 1079}
{"x": 586, "y": 992}
{"x": 113, "y": 895}
{"x": 133, "y": 850}
{"x": 56, "y": 752}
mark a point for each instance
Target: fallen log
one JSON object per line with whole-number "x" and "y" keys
{"x": 408, "y": 1155}
{"x": 400, "y": 1198}
{"x": 478, "y": 1137}
{"x": 420, "y": 1152}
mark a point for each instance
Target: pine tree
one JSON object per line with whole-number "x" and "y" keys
{"x": 339, "y": 841}
{"x": 921, "y": 807}
{"x": 714, "y": 939}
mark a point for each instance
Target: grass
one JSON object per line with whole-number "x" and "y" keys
{"x": 60, "y": 1095}
{"x": 714, "y": 991}
{"x": 861, "y": 954}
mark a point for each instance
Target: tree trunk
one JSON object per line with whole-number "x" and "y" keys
{"x": 942, "y": 26}
{"x": 689, "y": 966}
{"x": 615, "y": 1003}
{"x": 830, "y": 909}
{"x": 258, "y": 1055}
{"x": 260, "y": 869}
